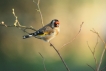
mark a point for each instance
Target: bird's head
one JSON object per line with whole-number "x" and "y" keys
{"x": 55, "y": 23}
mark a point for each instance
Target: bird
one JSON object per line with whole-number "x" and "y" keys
{"x": 47, "y": 32}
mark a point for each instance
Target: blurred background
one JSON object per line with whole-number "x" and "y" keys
{"x": 17, "y": 54}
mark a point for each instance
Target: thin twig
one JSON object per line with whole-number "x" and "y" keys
{"x": 43, "y": 61}
{"x": 101, "y": 58}
{"x": 91, "y": 67}
{"x": 73, "y": 37}
{"x": 17, "y": 24}
{"x": 90, "y": 48}
{"x": 60, "y": 56}
{"x": 95, "y": 45}
{"x": 38, "y": 10}
{"x": 93, "y": 30}
{"x": 93, "y": 53}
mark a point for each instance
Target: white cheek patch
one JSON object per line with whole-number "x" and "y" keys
{"x": 53, "y": 24}
{"x": 57, "y": 25}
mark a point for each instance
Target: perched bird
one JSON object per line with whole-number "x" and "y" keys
{"x": 47, "y": 32}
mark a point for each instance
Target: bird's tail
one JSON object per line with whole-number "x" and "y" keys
{"x": 28, "y": 36}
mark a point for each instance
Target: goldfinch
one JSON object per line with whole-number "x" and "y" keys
{"x": 47, "y": 32}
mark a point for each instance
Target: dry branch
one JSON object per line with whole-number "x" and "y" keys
{"x": 95, "y": 45}
{"x": 101, "y": 58}
{"x": 38, "y": 10}
{"x": 60, "y": 56}
{"x": 93, "y": 53}
{"x": 17, "y": 24}
{"x": 43, "y": 61}
{"x": 93, "y": 30}
{"x": 73, "y": 37}
{"x": 91, "y": 67}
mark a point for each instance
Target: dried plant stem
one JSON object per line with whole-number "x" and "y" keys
{"x": 43, "y": 61}
{"x": 93, "y": 53}
{"x": 101, "y": 58}
{"x": 93, "y": 30}
{"x": 95, "y": 46}
{"x": 73, "y": 37}
{"x": 17, "y": 24}
{"x": 39, "y": 11}
{"x": 60, "y": 56}
{"x": 91, "y": 67}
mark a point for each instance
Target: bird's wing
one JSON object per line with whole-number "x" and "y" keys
{"x": 46, "y": 30}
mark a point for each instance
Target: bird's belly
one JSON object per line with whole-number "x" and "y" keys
{"x": 46, "y": 37}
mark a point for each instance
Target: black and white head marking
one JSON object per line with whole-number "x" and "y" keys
{"x": 54, "y": 24}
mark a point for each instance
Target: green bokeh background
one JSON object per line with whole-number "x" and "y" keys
{"x": 17, "y": 54}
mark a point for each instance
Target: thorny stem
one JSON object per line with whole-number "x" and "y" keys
{"x": 60, "y": 56}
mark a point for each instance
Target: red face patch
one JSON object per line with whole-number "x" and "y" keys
{"x": 57, "y": 22}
